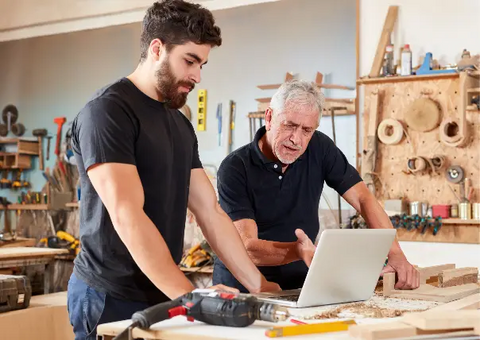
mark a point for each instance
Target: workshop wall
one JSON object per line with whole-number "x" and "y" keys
{"x": 54, "y": 76}
{"x": 443, "y": 28}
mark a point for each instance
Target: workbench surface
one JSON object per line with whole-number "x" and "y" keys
{"x": 180, "y": 328}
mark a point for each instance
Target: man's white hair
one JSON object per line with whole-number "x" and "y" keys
{"x": 297, "y": 93}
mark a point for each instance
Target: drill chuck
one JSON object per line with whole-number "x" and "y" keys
{"x": 272, "y": 313}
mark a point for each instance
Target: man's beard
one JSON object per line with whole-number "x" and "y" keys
{"x": 168, "y": 86}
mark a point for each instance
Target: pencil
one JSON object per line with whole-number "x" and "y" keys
{"x": 324, "y": 327}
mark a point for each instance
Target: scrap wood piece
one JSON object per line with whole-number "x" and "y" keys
{"x": 319, "y": 83}
{"x": 428, "y": 292}
{"x": 370, "y": 154}
{"x": 288, "y": 77}
{"x": 457, "y": 277}
{"x": 470, "y": 302}
{"x": 443, "y": 320}
{"x": 390, "y": 330}
{"x": 428, "y": 272}
{"x": 384, "y": 40}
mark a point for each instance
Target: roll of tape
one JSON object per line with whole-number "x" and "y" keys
{"x": 450, "y": 131}
{"x": 416, "y": 164}
{"x": 390, "y": 131}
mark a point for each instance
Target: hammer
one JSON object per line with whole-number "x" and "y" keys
{"x": 40, "y": 133}
{"x": 59, "y": 121}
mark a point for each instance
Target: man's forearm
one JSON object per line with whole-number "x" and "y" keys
{"x": 224, "y": 239}
{"x": 376, "y": 218}
{"x": 150, "y": 252}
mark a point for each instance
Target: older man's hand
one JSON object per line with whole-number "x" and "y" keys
{"x": 305, "y": 247}
{"x": 408, "y": 276}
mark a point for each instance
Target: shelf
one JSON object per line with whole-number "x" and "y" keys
{"x": 474, "y": 90}
{"x": 72, "y": 205}
{"x": 269, "y": 87}
{"x": 366, "y": 81}
{"x": 203, "y": 270}
{"x": 16, "y": 206}
{"x": 337, "y": 87}
{"x": 460, "y": 221}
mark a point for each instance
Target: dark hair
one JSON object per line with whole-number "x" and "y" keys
{"x": 176, "y": 22}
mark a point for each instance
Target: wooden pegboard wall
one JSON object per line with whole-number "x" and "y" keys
{"x": 395, "y": 99}
{"x": 391, "y": 159}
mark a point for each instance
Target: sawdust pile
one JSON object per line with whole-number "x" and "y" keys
{"x": 364, "y": 309}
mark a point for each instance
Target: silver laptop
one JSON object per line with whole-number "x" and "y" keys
{"x": 345, "y": 268}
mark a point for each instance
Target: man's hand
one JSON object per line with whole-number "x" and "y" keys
{"x": 305, "y": 247}
{"x": 268, "y": 286}
{"x": 224, "y": 288}
{"x": 408, "y": 276}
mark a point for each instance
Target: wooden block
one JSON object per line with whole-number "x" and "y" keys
{"x": 391, "y": 330}
{"x": 443, "y": 320}
{"x": 428, "y": 292}
{"x": 384, "y": 40}
{"x": 456, "y": 277}
{"x": 428, "y": 272}
{"x": 470, "y": 302}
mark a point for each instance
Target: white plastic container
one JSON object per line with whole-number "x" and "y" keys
{"x": 406, "y": 61}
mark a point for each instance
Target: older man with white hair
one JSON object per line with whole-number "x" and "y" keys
{"x": 271, "y": 189}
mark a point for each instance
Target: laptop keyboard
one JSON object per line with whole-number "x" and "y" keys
{"x": 287, "y": 297}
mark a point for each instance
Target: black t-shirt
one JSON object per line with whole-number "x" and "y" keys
{"x": 121, "y": 124}
{"x": 250, "y": 186}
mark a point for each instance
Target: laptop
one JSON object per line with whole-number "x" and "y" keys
{"x": 345, "y": 268}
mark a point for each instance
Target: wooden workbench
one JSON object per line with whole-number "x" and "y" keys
{"x": 180, "y": 328}
{"x": 31, "y": 256}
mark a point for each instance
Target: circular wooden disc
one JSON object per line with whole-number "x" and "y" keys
{"x": 423, "y": 115}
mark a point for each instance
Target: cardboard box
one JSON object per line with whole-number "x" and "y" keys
{"x": 45, "y": 319}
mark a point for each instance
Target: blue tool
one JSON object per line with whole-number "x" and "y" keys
{"x": 219, "y": 119}
{"x": 426, "y": 67}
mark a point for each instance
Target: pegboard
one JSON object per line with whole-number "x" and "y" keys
{"x": 394, "y": 181}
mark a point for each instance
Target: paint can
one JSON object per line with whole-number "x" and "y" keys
{"x": 418, "y": 208}
{"x": 441, "y": 210}
{"x": 454, "y": 211}
{"x": 476, "y": 211}
{"x": 465, "y": 211}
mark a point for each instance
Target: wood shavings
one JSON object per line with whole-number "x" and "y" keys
{"x": 367, "y": 310}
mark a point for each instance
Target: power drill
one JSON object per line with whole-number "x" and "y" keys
{"x": 211, "y": 307}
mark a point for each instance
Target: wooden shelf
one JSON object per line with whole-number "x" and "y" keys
{"x": 72, "y": 205}
{"x": 203, "y": 270}
{"x": 335, "y": 87}
{"x": 366, "y": 81}
{"x": 26, "y": 207}
{"x": 474, "y": 90}
{"x": 460, "y": 221}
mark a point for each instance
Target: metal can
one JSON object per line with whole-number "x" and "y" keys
{"x": 465, "y": 211}
{"x": 418, "y": 208}
{"x": 476, "y": 211}
{"x": 454, "y": 211}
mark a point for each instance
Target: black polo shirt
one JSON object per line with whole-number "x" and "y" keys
{"x": 121, "y": 124}
{"x": 250, "y": 186}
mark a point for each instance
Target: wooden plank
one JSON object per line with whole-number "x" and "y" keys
{"x": 470, "y": 302}
{"x": 460, "y": 221}
{"x": 26, "y": 252}
{"x": 428, "y": 292}
{"x": 443, "y": 320}
{"x": 358, "y": 155}
{"x": 391, "y": 330}
{"x": 398, "y": 79}
{"x": 25, "y": 207}
{"x": 474, "y": 90}
{"x": 456, "y": 277}
{"x": 469, "y": 234}
{"x": 19, "y": 242}
{"x": 384, "y": 40}
{"x": 263, "y": 100}
{"x": 335, "y": 87}
{"x": 428, "y": 272}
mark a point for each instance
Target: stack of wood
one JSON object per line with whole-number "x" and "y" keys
{"x": 460, "y": 316}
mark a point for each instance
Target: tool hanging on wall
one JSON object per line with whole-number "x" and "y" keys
{"x": 219, "y": 121}
{"x": 9, "y": 117}
{"x": 369, "y": 158}
{"x": 48, "y": 147}
{"x": 423, "y": 115}
{"x": 455, "y": 174}
{"x": 231, "y": 125}
{"x": 390, "y": 131}
{"x": 454, "y": 132}
{"x": 40, "y": 133}
{"x": 59, "y": 121}
{"x": 202, "y": 110}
